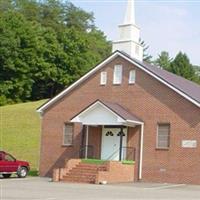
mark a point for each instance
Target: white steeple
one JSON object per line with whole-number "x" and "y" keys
{"x": 130, "y": 13}
{"x": 129, "y": 35}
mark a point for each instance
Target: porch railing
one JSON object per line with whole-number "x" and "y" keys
{"x": 86, "y": 150}
{"x": 128, "y": 153}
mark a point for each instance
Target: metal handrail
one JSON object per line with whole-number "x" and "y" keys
{"x": 86, "y": 148}
{"x": 134, "y": 150}
{"x": 81, "y": 150}
{"x": 131, "y": 154}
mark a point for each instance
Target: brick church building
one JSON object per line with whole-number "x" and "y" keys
{"x": 126, "y": 109}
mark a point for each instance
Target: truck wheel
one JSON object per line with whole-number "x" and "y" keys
{"x": 22, "y": 172}
{"x": 6, "y": 175}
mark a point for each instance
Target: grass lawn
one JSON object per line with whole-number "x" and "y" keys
{"x": 93, "y": 161}
{"x": 20, "y": 131}
{"x": 128, "y": 162}
{"x": 99, "y": 162}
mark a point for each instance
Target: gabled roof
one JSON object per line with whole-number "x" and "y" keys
{"x": 121, "y": 111}
{"x": 185, "y": 88}
{"x": 188, "y": 87}
{"x": 104, "y": 112}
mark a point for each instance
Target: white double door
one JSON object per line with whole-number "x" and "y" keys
{"x": 111, "y": 143}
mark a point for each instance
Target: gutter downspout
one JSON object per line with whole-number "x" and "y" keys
{"x": 141, "y": 150}
{"x": 86, "y": 142}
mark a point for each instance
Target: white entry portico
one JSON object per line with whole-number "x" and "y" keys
{"x": 114, "y": 120}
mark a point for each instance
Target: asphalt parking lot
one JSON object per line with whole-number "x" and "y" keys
{"x": 44, "y": 189}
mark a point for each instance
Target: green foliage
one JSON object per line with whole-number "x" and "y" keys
{"x": 33, "y": 173}
{"x": 163, "y": 60}
{"x": 45, "y": 46}
{"x": 93, "y": 161}
{"x": 181, "y": 66}
{"x": 146, "y": 56}
{"x": 78, "y": 18}
{"x": 16, "y": 45}
{"x": 128, "y": 162}
{"x": 100, "y": 162}
{"x": 197, "y": 73}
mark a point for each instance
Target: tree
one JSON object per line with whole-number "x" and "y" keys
{"x": 146, "y": 56}
{"x": 17, "y": 54}
{"x": 78, "y": 18}
{"x": 181, "y": 66}
{"x": 44, "y": 47}
{"x": 163, "y": 60}
{"x": 197, "y": 73}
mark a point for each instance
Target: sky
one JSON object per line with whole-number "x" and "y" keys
{"x": 169, "y": 25}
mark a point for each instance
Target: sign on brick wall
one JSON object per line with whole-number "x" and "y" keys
{"x": 189, "y": 143}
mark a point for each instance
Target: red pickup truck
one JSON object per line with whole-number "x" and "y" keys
{"x": 10, "y": 165}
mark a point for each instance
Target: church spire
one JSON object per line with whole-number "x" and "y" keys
{"x": 129, "y": 35}
{"x": 130, "y": 13}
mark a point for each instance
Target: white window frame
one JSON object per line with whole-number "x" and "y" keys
{"x": 64, "y": 134}
{"x": 103, "y": 78}
{"x": 163, "y": 124}
{"x": 117, "y": 80}
{"x": 132, "y": 77}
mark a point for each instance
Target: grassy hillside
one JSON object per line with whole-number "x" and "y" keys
{"x": 20, "y": 131}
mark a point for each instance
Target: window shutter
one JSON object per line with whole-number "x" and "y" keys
{"x": 132, "y": 76}
{"x": 117, "y": 77}
{"x": 163, "y": 136}
{"x": 68, "y": 134}
{"x": 103, "y": 79}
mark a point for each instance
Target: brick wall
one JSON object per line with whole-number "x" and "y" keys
{"x": 116, "y": 173}
{"x": 94, "y": 139}
{"x": 133, "y": 140}
{"x": 151, "y": 101}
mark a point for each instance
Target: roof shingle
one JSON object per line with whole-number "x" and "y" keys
{"x": 188, "y": 87}
{"x": 121, "y": 111}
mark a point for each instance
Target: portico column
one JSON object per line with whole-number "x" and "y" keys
{"x": 86, "y": 142}
{"x": 121, "y": 143}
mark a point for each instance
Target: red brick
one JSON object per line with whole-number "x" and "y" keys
{"x": 151, "y": 101}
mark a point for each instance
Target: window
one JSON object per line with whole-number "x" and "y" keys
{"x": 68, "y": 135}
{"x": 103, "y": 79}
{"x": 163, "y": 136}
{"x": 9, "y": 158}
{"x": 117, "y": 76}
{"x": 132, "y": 77}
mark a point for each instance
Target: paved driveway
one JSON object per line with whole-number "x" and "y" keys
{"x": 43, "y": 189}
